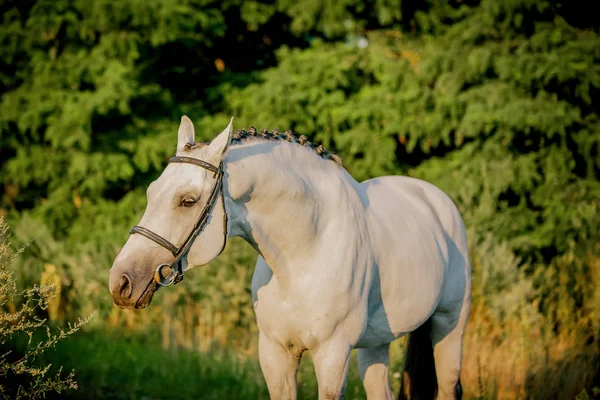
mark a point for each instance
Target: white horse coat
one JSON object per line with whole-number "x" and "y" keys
{"x": 341, "y": 264}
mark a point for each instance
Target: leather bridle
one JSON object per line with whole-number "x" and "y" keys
{"x": 176, "y": 274}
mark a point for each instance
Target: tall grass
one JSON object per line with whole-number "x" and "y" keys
{"x": 518, "y": 348}
{"x": 533, "y": 331}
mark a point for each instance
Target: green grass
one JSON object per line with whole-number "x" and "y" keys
{"x": 122, "y": 365}
{"x": 119, "y": 365}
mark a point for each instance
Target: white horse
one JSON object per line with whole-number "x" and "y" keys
{"x": 341, "y": 264}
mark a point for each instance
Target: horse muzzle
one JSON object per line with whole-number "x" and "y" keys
{"x": 131, "y": 288}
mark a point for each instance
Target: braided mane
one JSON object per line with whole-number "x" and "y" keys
{"x": 241, "y": 136}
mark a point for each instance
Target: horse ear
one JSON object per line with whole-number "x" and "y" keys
{"x": 185, "y": 134}
{"x": 219, "y": 145}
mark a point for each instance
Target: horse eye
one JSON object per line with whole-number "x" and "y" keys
{"x": 188, "y": 202}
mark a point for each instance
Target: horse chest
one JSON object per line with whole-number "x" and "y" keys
{"x": 298, "y": 316}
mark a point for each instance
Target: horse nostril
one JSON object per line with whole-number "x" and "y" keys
{"x": 126, "y": 288}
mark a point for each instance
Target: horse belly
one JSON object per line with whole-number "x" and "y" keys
{"x": 412, "y": 262}
{"x": 399, "y": 308}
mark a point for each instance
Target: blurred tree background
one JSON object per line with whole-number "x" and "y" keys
{"x": 496, "y": 102}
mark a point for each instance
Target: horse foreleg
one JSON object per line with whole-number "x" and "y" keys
{"x": 331, "y": 361}
{"x": 279, "y": 366}
{"x": 373, "y": 369}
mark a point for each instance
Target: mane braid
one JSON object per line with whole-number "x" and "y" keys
{"x": 241, "y": 136}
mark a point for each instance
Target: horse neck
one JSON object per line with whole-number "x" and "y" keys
{"x": 288, "y": 203}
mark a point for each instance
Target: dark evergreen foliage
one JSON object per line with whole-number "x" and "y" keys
{"x": 494, "y": 101}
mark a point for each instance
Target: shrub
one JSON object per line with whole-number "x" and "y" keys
{"x": 20, "y": 376}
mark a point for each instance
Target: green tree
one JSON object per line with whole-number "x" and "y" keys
{"x": 494, "y": 105}
{"x": 496, "y": 102}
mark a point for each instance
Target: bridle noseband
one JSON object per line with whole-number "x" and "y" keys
{"x": 176, "y": 274}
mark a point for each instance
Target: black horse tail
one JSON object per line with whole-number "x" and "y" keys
{"x": 419, "y": 381}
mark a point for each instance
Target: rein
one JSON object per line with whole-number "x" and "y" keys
{"x": 176, "y": 274}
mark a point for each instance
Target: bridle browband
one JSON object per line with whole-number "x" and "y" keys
{"x": 176, "y": 274}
